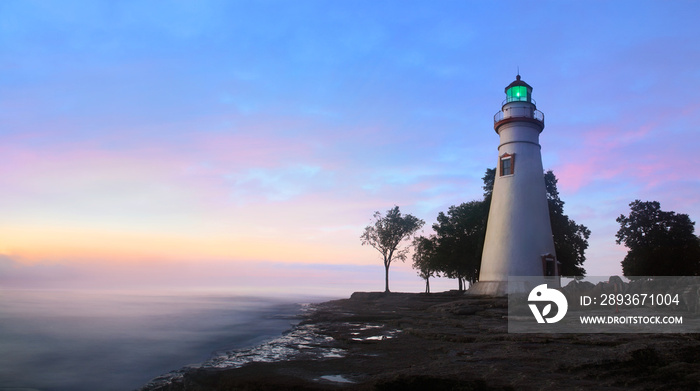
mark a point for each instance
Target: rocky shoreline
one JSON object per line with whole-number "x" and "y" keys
{"x": 449, "y": 341}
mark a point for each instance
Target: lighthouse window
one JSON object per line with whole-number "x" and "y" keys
{"x": 507, "y": 164}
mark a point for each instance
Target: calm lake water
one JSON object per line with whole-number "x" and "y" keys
{"x": 61, "y": 341}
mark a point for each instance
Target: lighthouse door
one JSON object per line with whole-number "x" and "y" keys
{"x": 549, "y": 267}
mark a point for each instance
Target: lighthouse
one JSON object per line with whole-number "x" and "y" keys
{"x": 518, "y": 233}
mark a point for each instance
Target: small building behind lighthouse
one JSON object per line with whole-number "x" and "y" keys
{"x": 518, "y": 233}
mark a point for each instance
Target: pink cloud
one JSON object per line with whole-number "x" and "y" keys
{"x": 650, "y": 154}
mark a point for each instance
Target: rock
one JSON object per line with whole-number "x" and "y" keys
{"x": 446, "y": 341}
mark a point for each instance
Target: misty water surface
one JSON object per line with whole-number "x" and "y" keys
{"x": 60, "y": 341}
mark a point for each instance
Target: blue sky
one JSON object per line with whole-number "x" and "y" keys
{"x": 239, "y": 136}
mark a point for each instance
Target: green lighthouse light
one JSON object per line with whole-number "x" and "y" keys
{"x": 518, "y": 94}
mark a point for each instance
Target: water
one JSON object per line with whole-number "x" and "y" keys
{"x": 60, "y": 341}
{"x": 303, "y": 342}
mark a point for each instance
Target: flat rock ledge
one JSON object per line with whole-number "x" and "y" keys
{"x": 452, "y": 341}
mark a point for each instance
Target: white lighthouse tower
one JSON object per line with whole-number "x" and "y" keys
{"x": 518, "y": 234}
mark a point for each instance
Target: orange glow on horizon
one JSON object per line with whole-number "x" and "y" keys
{"x": 31, "y": 245}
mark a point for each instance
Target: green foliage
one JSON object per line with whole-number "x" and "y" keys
{"x": 660, "y": 243}
{"x": 387, "y": 233}
{"x": 454, "y": 251}
{"x": 460, "y": 240}
{"x": 423, "y": 255}
{"x": 570, "y": 239}
{"x": 489, "y": 178}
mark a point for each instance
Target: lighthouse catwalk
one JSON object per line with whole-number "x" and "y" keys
{"x": 518, "y": 234}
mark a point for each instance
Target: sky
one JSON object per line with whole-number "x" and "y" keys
{"x": 246, "y": 144}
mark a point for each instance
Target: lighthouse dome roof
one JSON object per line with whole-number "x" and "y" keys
{"x": 518, "y": 82}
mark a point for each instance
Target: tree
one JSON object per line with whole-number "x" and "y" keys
{"x": 489, "y": 178}
{"x": 460, "y": 241}
{"x": 660, "y": 243}
{"x": 570, "y": 239}
{"x": 423, "y": 258}
{"x": 387, "y": 233}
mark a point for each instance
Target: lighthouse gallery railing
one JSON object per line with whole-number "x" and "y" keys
{"x": 518, "y": 113}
